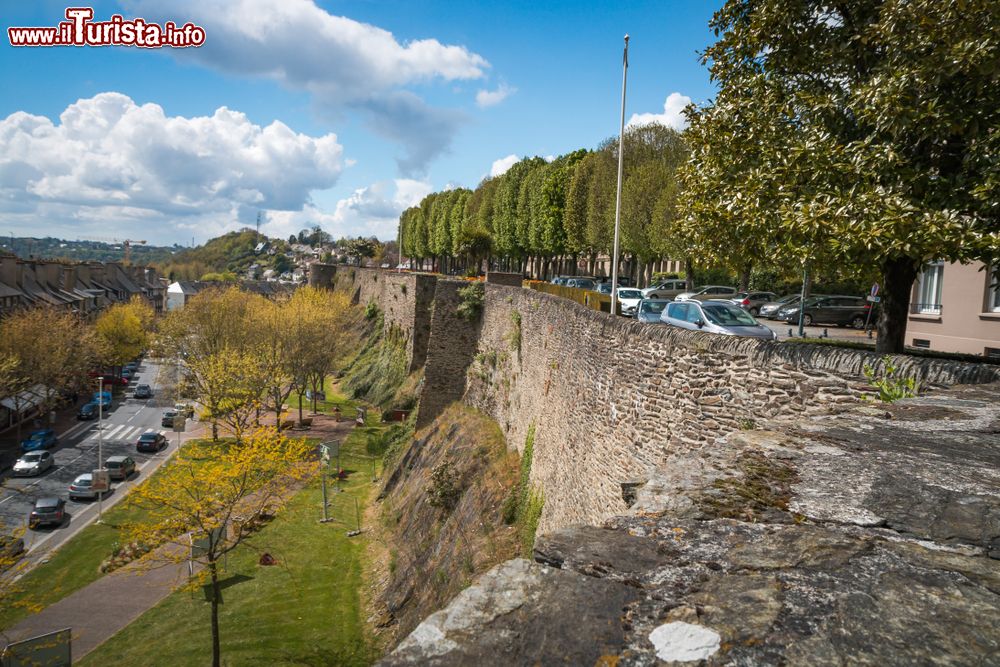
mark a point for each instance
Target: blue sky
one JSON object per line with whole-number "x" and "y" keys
{"x": 336, "y": 113}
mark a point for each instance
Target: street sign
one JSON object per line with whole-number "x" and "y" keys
{"x": 179, "y": 423}
{"x": 874, "y": 299}
{"x": 875, "y": 289}
{"x": 101, "y": 481}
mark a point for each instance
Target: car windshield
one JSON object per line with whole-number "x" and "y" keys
{"x": 32, "y": 458}
{"x": 741, "y": 295}
{"x": 82, "y": 481}
{"x": 148, "y": 436}
{"x": 652, "y": 306}
{"x": 37, "y": 436}
{"x": 113, "y": 464}
{"x": 727, "y": 316}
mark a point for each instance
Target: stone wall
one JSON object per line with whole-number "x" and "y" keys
{"x": 404, "y": 298}
{"x": 614, "y": 400}
{"x": 453, "y": 344}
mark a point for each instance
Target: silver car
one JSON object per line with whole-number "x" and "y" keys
{"x": 666, "y": 289}
{"x": 720, "y": 317}
{"x": 708, "y": 292}
{"x": 649, "y": 310}
{"x": 82, "y": 487}
{"x": 33, "y": 463}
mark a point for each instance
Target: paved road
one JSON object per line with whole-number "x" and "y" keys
{"x": 77, "y": 453}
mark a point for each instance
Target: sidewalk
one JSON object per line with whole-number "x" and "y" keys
{"x": 98, "y": 611}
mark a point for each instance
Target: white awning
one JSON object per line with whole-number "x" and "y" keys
{"x": 30, "y": 398}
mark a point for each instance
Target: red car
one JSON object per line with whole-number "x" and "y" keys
{"x": 108, "y": 379}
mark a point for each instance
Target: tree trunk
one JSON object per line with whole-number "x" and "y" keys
{"x": 689, "y": 272}
{"x": 897, "y": 284}
{"x": 300, "y": 408}
{"x": 216, "y": 653}
{"x": 215, "y": 430}
{"x": 745, "y": 277}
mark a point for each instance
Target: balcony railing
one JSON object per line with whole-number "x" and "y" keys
{"x": 925, "y": 308}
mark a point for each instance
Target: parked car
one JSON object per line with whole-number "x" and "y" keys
{"x": 665, "y": 289}
{"x": 33, "y": 463}
{"x": 120, "y": 467}
{"x": 840, "y": 310}
{"x": 109, "y": 379}
{"x": 752, "y": 301}
{"x": 82, "y": 487}
{"x": 89, "y": 411}
{"x": 629, "y": 299}
{"x": 132, "y": 366}
{"x": 184, "y": 409}
{"x": 650, "y": 309}
{"x": 560, "y": 280}
{"x": 104, "y": 398}
{"x": 11, "y": 547}
{"x": 707, "y": 292}
{"x": 582, "y": 283}
{"x": 43, "y": 438}
{"x": 718, "y": 317}
{"x": 49, "y": 511}
{"x": 318, "y": 395}
{"x": 150, "y": 441}
{"x": 127, "y": 374}
{"x": 143, "y": 391}
{"x": 770, "y": 309}
{"x": 167, "y": 421}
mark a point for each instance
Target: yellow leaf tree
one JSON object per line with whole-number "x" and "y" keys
{"x": 211, "y": 500}
{"x": 124, "y": 330}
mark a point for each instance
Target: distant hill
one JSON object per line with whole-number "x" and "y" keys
{"x": 230, "y": 253}
{"x": 49, "y": 247}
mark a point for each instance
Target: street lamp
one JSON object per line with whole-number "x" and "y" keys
{"x": 618, "y": 198}
{"x": 100, "y": 444}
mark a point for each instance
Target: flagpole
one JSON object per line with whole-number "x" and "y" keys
{"x": 618, "y": 197}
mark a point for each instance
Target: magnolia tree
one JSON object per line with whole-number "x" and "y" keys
{"x": 863, "y": 134}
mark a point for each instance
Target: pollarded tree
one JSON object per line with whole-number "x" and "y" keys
{"x": 870, "y": 128}
{"x": 575, "y": 212}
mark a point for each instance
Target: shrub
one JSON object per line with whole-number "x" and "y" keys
{"x": 523, "y": 507}
{"x": 515, "y": 332}
{"x": 371, "y": 311}
{"x": 445, "y": 490}
{"x": 891, "y": 387}
{"x": 470, "y": 301}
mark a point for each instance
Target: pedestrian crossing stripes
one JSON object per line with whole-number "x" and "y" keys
{"x": 122, "y": 432}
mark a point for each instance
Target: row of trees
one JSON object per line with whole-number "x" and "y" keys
{"x": 848, "y": 139}
{"x": 543, "y": 216}
{"x": 243, "y": 354}
{"x": 49, "y": 352}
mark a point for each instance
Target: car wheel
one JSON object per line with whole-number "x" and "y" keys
{"x": 807, "y": 320}
{"x": 755, "y": 312}
{"x": 858, "y": 322}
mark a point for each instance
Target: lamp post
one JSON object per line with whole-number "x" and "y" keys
{"x": 618, "y": 197}
{"x": 100, "y": 443}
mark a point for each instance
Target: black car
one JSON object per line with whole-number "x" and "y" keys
{"x": 143, "y": 391}
{"x": 87, "y": 412}
{"x": 840, "y": 310}
{"x": 167, "y": 421}
{"x": 49, "y": 511}
{"x": 150, "y": 441}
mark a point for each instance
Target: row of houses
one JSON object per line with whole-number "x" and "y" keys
{"x": 83, "y": 288}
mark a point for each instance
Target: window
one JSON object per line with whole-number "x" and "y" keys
{"x": 922, "y": 343}
{"x": 678, "y": 311}
{"x": 929, "y": 289}
{"x": 993, "y": 290}
{"x": 992, "y": 353}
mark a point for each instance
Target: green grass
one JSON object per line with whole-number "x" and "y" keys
{"x": 306, "y": 611}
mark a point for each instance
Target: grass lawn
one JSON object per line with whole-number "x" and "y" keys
{"x": 307, "y": 610}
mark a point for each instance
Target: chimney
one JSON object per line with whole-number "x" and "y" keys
{"x": 9, "y": 271}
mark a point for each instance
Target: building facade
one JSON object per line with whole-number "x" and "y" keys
{"x": 955, "y": 308}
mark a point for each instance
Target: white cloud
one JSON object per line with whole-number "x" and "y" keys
{"x": 369, "y": 211}
{"x": 672, "y": 115}
{"x": 343, "y": 63}
{"x": 109, "y": 162}
{"x": 489, "y": 98}
{"x": 503, "y": 164}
